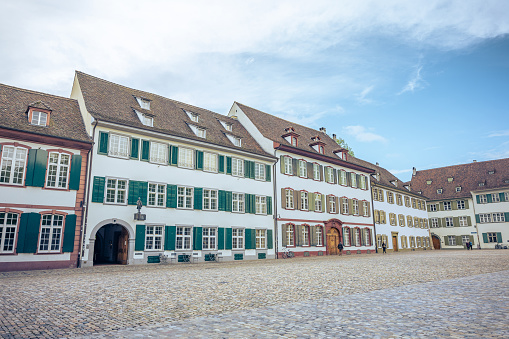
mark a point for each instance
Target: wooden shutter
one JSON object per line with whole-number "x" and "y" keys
{"x": 282, "y": 163}
{"x": 247, "y": 203}
{"x": 135, "y": 149}
{"x": 478, "y": 197}
{"x": 361, "y": 207}
{"x": 335, "y": 174}
{"x": 221, "y": 163}
{"x": 220, "y": 238}
{"x": 36, "y": 167}
{"x": 489, "y": 198}
{"x": 228, "y": 200}
{"x": 502, "y": 196}
{"x": 477, "y": 218}
{"x": 499, "y": 237}
{"x": 485, "y": 238}
{"x": 471, "y": 239}
{"x": 324, "y": 201}
{"x": 269, "y": 205}
{"x": 228, "y": 240}
{"x": 247, "y": 169}
{"x": 198, "y": 198}
{"x": 310, "y": 170}
{"x": 267, "y": 172}
{"x": 103, "y": 143}
{"x": 469, "y": 221}
{"x": 456, "y": 221}
{"x": 221, "y": 200}
{"x": 228, "y": 165}
{"x": 297, "y": 199}
{"x": 145, "y": 150}
{"x": 174, "y": 155}
{"x": 139, "y": 242}
{"x": 311, "y": 201}
{"x": 459, "y": 240}
{"x": 297, "y": 233}
{"x": 75, "y": 173}
{"x": 250, "y": 238}
{"x": 294, "y": 167}
{"x": 358, "y": 179}
{"x": 283, "y": 198}
{"x": 506, "y": 215}
{"x": 171, "y": 196}
{"x": 137, "y": 189}
{"x": 454, "y": 204}
{"x": 337, "y": 204}
{"x": 466, "y": 204}
{"x": 28, "y": 233}
{"x": 446, "y": 240}
{"x": 350, "y": 207}
{"x": 69, "y": 233}
{"x": 98, "y": 189}
{"x": 321, "y": 173}
{"x": 270, "y": 240}
{"x": 170, "y": 236}
{"x": 283, "y": 234}
{"x": 199, "y": 160}
{"x": 197, "y": 238}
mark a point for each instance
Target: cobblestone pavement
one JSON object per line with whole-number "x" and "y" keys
{"x": 419, "y": 294}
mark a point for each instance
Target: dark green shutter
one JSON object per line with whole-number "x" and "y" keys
{"x": 197, "y": 238}
{"x": 247, "y": 203}
{"x": 169, "y": 238}
{"x": 98, "y": 189}
{"x": 269, "y": 239}
{"x": 267, "y": 172}
{"x": 36, "y": 167}
{"x": 135, "y": 148}
{"x": 103, "y": 143}
{"x": 247, "y": 169}
{"x": 250, "y": 237}
{"x": 145, "y": 150}
{"x": 220, "y": 238}
{"x": 28, "y": 233}
{"x": 198, "y": 198}
{"x": 75, "y": 173}
{"x": 139, "y": 242}
{"x": 228, "y": 202}
{"x": 171, "y": 196}
{"x": 485, "y": 237}
{"x": 228, "y": 165}
{"x": 269, "y": 205}
{"x": 506, "y": 214}
{"x": 499, "y": 237}
{"x": 502, "y": 196}
{"x": 174, "y": 155}
{"x": 478, "y": 199}
{"x": 477, "y": 218}
{"x": 137, "y": 189}
{"x": 221, "y": 163}
{"x": 221, "y": 200}
{"x": 228, "y": 240}
{"x": 199, "y": 160}
{"x": 489, "y": 198}
{"x": 252, "y": 171}
{"x": 69, "y": 233}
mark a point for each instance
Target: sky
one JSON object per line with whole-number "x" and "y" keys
{"x": 407, "y": 84}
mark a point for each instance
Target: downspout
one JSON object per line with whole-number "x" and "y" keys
{"x": 83, "y": 230}
{"x": 373, "y": 217}
{"x": 274, "y": 188}
{"x": 476, "y": 226}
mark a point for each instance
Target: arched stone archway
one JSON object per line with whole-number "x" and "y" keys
{"x": 334, "y": 232}
{"x": 436, "y": 241}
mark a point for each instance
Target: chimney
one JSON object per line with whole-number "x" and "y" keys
{"x": 377, "y": 164}
{"x": 474, "y": 161}
{"x": 414, "y": 171}
{"x": 334, "y": 136}
{"x": 322, "y": 129}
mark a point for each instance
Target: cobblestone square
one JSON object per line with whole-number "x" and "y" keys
{"x": 453, "y": 294}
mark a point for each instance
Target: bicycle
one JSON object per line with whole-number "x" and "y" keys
{"x": 287, "y": 253}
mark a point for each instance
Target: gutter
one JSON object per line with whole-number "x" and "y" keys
{"x": 373, "y": 218}
{"x": 274, "y": 187}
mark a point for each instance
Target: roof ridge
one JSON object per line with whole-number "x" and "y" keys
{"x": 466, "y": 164}
{"x": 36, "y": 92}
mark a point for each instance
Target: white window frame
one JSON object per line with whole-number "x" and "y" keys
{"x": 495, "y": 197}
{"x": 156, "y": 195}
{"x": 184, "y": 238}
{"x": 463, "y": 221}
{"x": 261, "y": 204}
{"x": 344, "y": 206}
{"x": 332, "y": 204}
{"x": 483, "y": 199}
{"x": 484, "y": 218}
{"x": 144, "y": 103}
{"x": 57, "y": 174}
{"x": 346, "y": 236}
{"x": 318, "y": 202}
{"x": 357, "y": 237}
{"x": 201, "y": 132}
{"x": 449, "y": 222}
{"x": 304, "y": 201}
{"x": 498, "y": 217}
{"x": 154, "y": 237}
{"x": 355, "y": 207}
{"x": 8, "y": 232}
{"x": 260, "y": 171}
{"x": 492, "y": 237}
{"x": 305, "y": 235}
{"x": 119, "y": 192}
{"x": 55, "y": 229}
{"x": 316, "y": 171}
{"x": 303, "y": 169}
{"x": 39, "y": 118}
{"x": 185, "y": 197}
{"x": 118, "y": 146}
{"x": 399, "y": 200}
{"x": 290, "y": 235}
{"x": 447, "y": 206}
{"x": 289, "y": 199}
{"x": 158, "y": 153}
{"x": 237, "y": 167}
{"x": 185, "y": 157}
{"x": 342, "y": 177}
{"x": 365, "y": 209}
{"x": 237, "y": 238}
{"x": 363, "y": 182}
{"x": 13, "y": 165}
{"x": 238, "y": 202}
{"x": 261, "y": 238}
{"x": 210, "y": 162}
{"x": 288, "y": 165}
{"x": 353, "y": 179}
{"x": 390, "y": 197}
{"x": 330, "y": 175}
{"x": 319, "y": 236}
{"x": 434, "y": 222}
{"x": 210, "y": 200}
{"x": 432, "y": 207}
{"x": 452, "y": 240}
{"x": 209, "y": 238}
{"x": 461, "y": 204}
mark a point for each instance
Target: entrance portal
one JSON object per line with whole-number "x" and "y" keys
{"x": 436, "y": 242}
{"x": 111, "y": 245}
{"x": 395, "y": 242}
{"x": 332, "y": 241}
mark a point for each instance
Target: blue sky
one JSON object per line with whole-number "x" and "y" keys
{"x": 407, "y": 84}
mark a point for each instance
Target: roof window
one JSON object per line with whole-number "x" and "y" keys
{"x": 38, "y": 118}
{"x": 491, "y": 172}
{"x": 145, "y": 119}
{"x": 428, "y": 182}
{"x": 195, "y": 117}
{"x": 450, "y": 179}
{"x": 458, "y": 189}
{"x": 439, "y": 191}
{"x": 235, "y": 140}
{"x": 199, "y": 131}
{"x": 144, "y": 103}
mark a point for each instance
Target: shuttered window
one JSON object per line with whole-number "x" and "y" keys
{"x": 185, "y": 157}
{"x": 50, "y": 239}
{"x": 13, "y": 165}
{"x": 118, "y": 146}
{"x": 116, "y": 191}
{"x": 58, "y": 170}
{"x": 8, "y": 230}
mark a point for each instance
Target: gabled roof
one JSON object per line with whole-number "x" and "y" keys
{"x": 467, "y": 176}
{"x": 114, "y": 103}
{"x": 65, "y": 118}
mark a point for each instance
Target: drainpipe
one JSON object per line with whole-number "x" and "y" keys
{"x": 373, "y": 218}
{"x": 476, "y": 226}
{"x": 274, "y": 188}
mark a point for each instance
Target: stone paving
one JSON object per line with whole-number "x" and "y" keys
{"x": 420, "y": 294}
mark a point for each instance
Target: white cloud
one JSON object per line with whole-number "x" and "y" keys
{"x": 396, "y": 172}
{"x": 360, "y": 133}
{"x": 499, "y": 134}
{"x": 361, "y": 98}
{"x": 416, "y": 82}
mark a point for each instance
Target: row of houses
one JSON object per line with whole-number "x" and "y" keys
{"x": 115, "y": 175}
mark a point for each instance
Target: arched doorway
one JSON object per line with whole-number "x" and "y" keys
{"x": 436, "y": 241}
{"x": 111, "y": 245}
{"x": 333, "y": 239}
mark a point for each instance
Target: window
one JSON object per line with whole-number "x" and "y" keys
{"x": 461, "y": 204}
{"x": 305, "y": 235}
{"x": 363, "y": 182}
{"x": 183, "y": 238}
{"x": 184, "y": 197}
{"x": 399, "y": 200}
{"x": 346, "y": 236}
{"x": 357, "y": 237}
{"x": 51, "y": 233}
{"x": 465, "y": 239}
{"x": 144, "y": 103}
{"x": 39, "y": 118}
{"x": 463, "y": 221}
{"x": 289, "y": 198}
{"x": 353, "y": 180}
{"x": 447, "y": 206}
{"x": 288, "y": 165}
{"x": 367, "y": 237}
{"x": 210, "y": 200}
{"x": 261, "y": 204}
{"x": 158, "y": 153}
{"x": 452, "y": 240}
{"x": 321, "y": 150}
{"x": 290, "y": 235}
{"x": 304, "y": 201}
{"x": 145, "y": 119}
{"x": 156, "y": 195}
{"x": 332, "y": 204}
{"x": 418, "y": 241}
{"x": 506, "y": 196}
{"x": 379, "y": 241}
{"x": 294, "y": 141}
{"x": 483, "y": 199}
{"x": 409, "y": 221}
{"x": 498, "y": 217}
{"x": 186, "y": 157}
{"x": 492, "y": 237}
{"x": 13, "y": 165}
{"x": 380, "y": 195}
{"x": 407, "y": 201}
{"x": 154, "y": 238}
{"x": 365, "y": 208}
{"x": 401, "y": 219}
{"x": 319, "y": 235}
{"x": 318, "y": 202}
{"x": 458, "y": 189}
{"x": 261, "y": 239}
{"x": 449, "y": 222}
{"x": 237, "y": 141}
{"x": 412, "y": 242}
{"x": 209, "y": 162}
{"x": 237, "y": 238}
{"x": 439, "y": 191}
{"x": 377, "y": 216}
{"x": 58, "y": 170}
{"x": 316, "y": 171}
{"x": 237, "y": 167}
{"x": 201, "y": 132}
{"x": 382, "y": 217}
{"x": 433, "y": 207}
{"x": 303, "y": 169}
{"x": 481, "y": 184}
{"x": 344, "y": 206}
{"x": 355, "y": 207}
{"x": 259, "y": 171}
{"x": 414, "y": 203}
{"x": 116, "y": 191}
{"x": 228, "y": 127}
{"x": 342, "y": 177}
{"x": 484, "y": 217}
{"x": 330, "y": 174}
{"x": 495, "y": 197}
{"x": 392, "y": 219}
{"x": 8, "y": 226}
{"x": 390, "y": 197}
{"x": 193, "y": 116}
{"x": 238, "y": 202}
{"x": 209, "y": 238}
{"x": 375, "y": 194}
{"x": 434, "y": 222}
{"x": 119, "y": 146}
{"x": 416, "y": 222}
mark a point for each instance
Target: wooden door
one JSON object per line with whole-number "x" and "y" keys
{"x": 122, "y": 247}
{"x": 436, "y": 242}
{"x": 395, "y": 243}
{"x": 332, "y": 241}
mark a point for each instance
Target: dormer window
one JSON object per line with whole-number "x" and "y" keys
{"x": 228, "y": 127}
{"x": 234, "y": 140}
{"x": 294, "y": 141}
{"x": 458, "y": 189}
{"x": 481, "y": 184}
{"x": 321, "y": 149}
{"x": 145, "y": 119}
{"x": 200, "y": 132}
{"x": 144, "y": 103}
{"x": 195, "y": 117}
{"x": 491, "y": 172}
{"x": 317, "y": 144}
{"x": 450, "y": 179}
{"x": 39, "y": 118}
{"x": 291, "y": 136}
{"x": 428, "y": 182}
{"x": 439, "y": 191}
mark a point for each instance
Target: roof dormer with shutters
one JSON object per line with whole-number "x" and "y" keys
{"x": 291, "y": 136}
{"x": 317, "y": 144}
{"x": 38, "y": 114}
{"x": 342, "y": 153}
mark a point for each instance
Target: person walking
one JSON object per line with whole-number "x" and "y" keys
{"x": 470, "y": 245}
{"x": 384, "y": 247}
{"x": 340, "y": 248}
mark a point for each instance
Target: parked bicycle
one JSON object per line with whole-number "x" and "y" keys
{"x": 287, "y": 253}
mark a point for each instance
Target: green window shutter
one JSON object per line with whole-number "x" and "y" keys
{"x": 502, "y": 196}
{"x": 220, "y": 159}
{"x": 478, "y": 199}
{"x": 466, "y": 204}
{"x": 282, "y": 163}
{"x": 228, "y": 202}
{"x": 269, "y": 240}
{"x": 139, "y": 242}
{"x": 198, "y": 198}
{"x": 220, "y": 238}
{"x": 145, "y": 150}
{"x": 36, "y": 167}
{"x": 199, "y": 160}
{"x": 28, "y": 233}
{"x": 103, "y": 143}
{"x": 171, "y": 196}
{"x": 456, "y": 221}
{"x": 311, "y": 202}
{"x": 75, "y": 173}
{"x": 98, "y": 189}
{"x": 170, "y": 233}
{"x": 197, "y": 238}
{"x": 267, "y": 173}
{"x": 174, "y": 155}
{"x": 221, "y": 200}
{"x": 69, "y": 233}
{"x": 248, "y": 238}
{"x": 506, "y": 214}
{"x": 247, "y": 203}
{"x": 253, "y": 238}
{"x": 446, "y": 240}
{"x": 247, "y": 169}
{"x": 294, "y": 167}
{"x": 132, "y": 193}
{"x": 228, "y": 240}
{"x": 269, "y": 206}
{"x": 485, "y": 237}
{"x": 469, "y": 221}
{"x": 135, "y": 148}
{"x": 499, "y": 237}
{"x": 252, "y": 173}
{"x": 143, "y": 192}
{"x": 477, "y": 218}
{"x": 228, "y": 165}
{"x": 489, "y": 198}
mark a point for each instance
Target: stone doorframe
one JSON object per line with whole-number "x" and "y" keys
{"x": 91, "y": 240}
{"x": 332, "y": 223}
{"x": 397, "y": 241}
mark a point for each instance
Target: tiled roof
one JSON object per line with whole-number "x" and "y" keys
{"x": 467, "y": 176}
{"x": 65, "y": 117}
{"x": 111, "y": 102}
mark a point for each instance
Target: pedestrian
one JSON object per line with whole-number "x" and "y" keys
{"x": 470, "y": 244}
{"x": 340, "y": 248}
{"x": 384, "y": 247}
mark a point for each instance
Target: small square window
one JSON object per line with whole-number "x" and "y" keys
{"x": 481, "y": 184}
{"x": 450, "y": 179}
{"x": 39, "y": 118}
{"x": 144, "y": 103}
{"x": 439, "y": 191}
{"x": 428, "y": 182}
{"x": 458, "y": 189}
{"x": 201, "y": 132}
{"x": 228, "y": 127}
